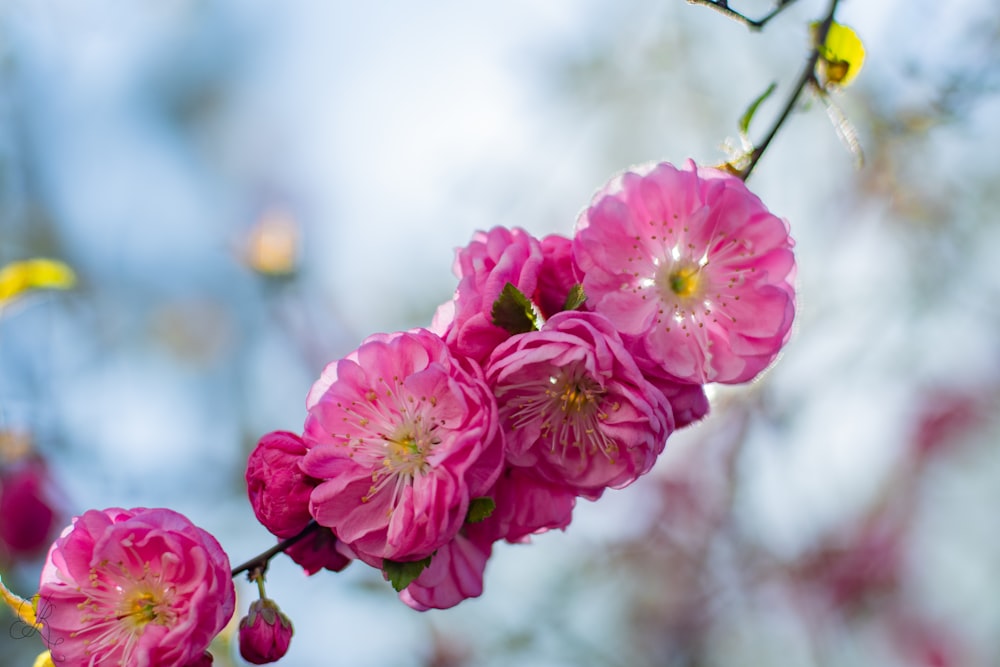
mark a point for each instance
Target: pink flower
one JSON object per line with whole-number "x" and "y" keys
{"x": 140, "y": 587}
{"x": 557, "y": 276}
{"x": 523, "y": 505}
{"x": 491, "y": 260}
{"x": 278, "y": 489}
{"x": 576, "y": 409}
{"x": 27, "y": 518}
{"x": 402, "y": 435}
{"x": 526, "y": 505}
{"x": 455, "y": 573}
{"x": 265, "y": 633}
{"x": 688, "y": 402}
{"x": 319, "y": 550}
{"x": 692, "y": 269}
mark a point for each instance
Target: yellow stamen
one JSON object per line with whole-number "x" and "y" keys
{"x": 684, "y": 281}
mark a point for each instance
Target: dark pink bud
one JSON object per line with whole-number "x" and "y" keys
{"x": 318, "y": 550}
{"x": 278, "y": 489}
{"x": 26, "y": 514}
{"x": 265, "y": 633}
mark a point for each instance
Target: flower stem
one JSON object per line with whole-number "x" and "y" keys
{"x": 722, "y": 6}
{"x": 258, "y": 564}
{"x": 807, "y": 77}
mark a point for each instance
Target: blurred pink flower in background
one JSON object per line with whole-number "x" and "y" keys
{"x": 27, "y": 508}
{"x": 403, "y": 435}
{"x": 692, "y": 269}
{"x": 140, "y": 587}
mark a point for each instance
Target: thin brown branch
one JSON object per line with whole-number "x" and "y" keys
{"x": 807, "y": 77}
{"x": 722, "y": 6}
{"x": 259, "y": 562}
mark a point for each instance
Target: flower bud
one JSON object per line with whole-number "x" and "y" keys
{"x": 278, "y": 489}
{"x": 265, "y": 633}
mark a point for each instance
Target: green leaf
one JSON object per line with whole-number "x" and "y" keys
{"x": 575, "y": 298}
{"x": 402, "y": 574}
{"x": 513, "y": 312}
{"x": 752, "y": 109}
{"x": 480, "y": 509}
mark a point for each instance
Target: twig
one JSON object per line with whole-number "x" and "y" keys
{"x": 260, "y": 561}
{"x": 722, "y": 6}
{"x": 807, "y": 77}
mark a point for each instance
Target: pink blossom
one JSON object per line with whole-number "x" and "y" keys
{"x": 490, "y": 261}
{"x": 140, "y": 587}
{"x": 27, "y": 517}
{"x": 576, "y": 408}
{"x": 523, "y": 505}
{"x": 692, "y": 269}
{"x": 454, "y": 574}
{"x": 557, "y": 276}
{"x": 688, "y": 402}
{"x": 265, "y": 633}
{"x": 278, "y": 489}
{"x": 319, "y": 550}
{"x": 526, "y": 505}
{"x": 402, "y": 436}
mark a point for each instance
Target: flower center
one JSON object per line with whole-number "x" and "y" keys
{"x": 406, "y": 450}
{"x": 684, "y": 281}
{"x": 567, "y": 409}
{"x": 145, "y": 607}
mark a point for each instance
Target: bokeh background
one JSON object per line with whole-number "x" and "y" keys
{"x": 246, "y": 190}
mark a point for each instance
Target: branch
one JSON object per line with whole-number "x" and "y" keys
{"x": 722, "y": 6}
{"x": 260, "y": 561}
{"x": 807, "y": 77}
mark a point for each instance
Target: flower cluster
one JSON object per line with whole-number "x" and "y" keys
{"x": 559, "y": 369}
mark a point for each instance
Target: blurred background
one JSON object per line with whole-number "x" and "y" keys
{"x": 246, "y": 190}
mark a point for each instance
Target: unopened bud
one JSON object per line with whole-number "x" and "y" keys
{"x": 265, "y": 633}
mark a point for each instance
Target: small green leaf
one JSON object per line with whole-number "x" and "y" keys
{"x": 752, "y": 109}
{"x": 401, "y": 575}
{"x": 575, "y": 298}
{"x": 480, "y": 509}
{"x": 512, "y": 311}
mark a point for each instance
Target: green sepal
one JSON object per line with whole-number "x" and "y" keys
{"x": 480, "y": 509}
{"x": 752, "y": 109}
{"x": 401, "y": 574}
{"x": 575, "y": 298}
{"x": 513, "y": 312}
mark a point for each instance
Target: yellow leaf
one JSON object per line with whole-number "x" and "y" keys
{"x": 840, "y": 56}
{"x": 19, "y": 277}
{"x": 44, "y": 660}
